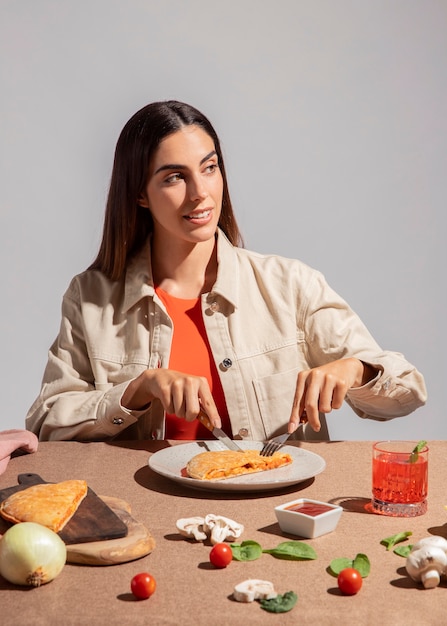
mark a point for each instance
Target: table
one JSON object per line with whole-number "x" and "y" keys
{"x": 189, "y": 589}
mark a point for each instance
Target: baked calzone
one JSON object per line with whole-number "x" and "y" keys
{"x": 221, "y": 464}
{"x": 49, "y": 504}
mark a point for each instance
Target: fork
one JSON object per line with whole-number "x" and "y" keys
{"x": 273, "y": 445}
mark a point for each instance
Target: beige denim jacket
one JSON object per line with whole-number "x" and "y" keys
{"x": 266, "y": 318}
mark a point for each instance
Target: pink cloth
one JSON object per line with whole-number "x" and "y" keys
{"x": 15, "y": 439}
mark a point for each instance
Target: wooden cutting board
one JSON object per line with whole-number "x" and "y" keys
{"x": 137, "y": 543}
{"x": 93, "y": 521}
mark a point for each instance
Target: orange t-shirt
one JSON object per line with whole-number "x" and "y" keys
{"x": 191, "y": 354}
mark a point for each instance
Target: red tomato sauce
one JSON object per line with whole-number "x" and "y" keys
{"x": 309, "y": 508}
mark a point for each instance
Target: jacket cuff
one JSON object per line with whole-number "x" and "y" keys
{"x": 114, "y": 417}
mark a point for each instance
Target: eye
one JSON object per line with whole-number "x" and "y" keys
{"x": 173, "y": 178}
{"x": 211, "y": 168}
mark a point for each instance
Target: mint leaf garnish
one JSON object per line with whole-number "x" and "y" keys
{"x": 415, "y": 452}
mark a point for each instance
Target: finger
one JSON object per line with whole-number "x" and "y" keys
{"x": 191, "y": 398}
{"x": 333, "y": 393}
{"x": 325, "y": 402}
{"x": 161, "y": 383}
{"x": 313, "y": 418}
{"x": 208, "y": 404}
{"x": 211, "y": 410}
{"x": 311, "y": 400}
{"x": 339, "y": 395}
{"x": 298, "y": 402}
{"x": 178, "y": 399}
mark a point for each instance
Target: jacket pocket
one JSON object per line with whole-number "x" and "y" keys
{"x": 274, "y": 395}
{"x": 108, "y": 373}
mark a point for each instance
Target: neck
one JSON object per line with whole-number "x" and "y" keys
{"x": 184, "y": 271}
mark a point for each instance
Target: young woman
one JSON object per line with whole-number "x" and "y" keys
{"x": 174, "y": 315}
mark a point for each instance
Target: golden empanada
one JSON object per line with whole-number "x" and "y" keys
{"x": 220, "y": 464}
{"x": 49, "y": 504}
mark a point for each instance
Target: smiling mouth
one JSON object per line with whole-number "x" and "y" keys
{"x": 199, "y": 216}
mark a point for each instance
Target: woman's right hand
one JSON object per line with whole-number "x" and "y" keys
{"x": 180, "y": 394}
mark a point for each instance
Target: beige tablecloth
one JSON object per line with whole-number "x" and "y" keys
{"x": 189, "y": 589}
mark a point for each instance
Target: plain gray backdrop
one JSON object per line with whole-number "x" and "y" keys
{"x": 332, "y": 116}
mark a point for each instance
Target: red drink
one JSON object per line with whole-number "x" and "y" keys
{"x": 400, "y": 480}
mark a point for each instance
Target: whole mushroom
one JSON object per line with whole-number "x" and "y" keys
{"x": 427, "y": 561}
{"x": 434, "y": 540}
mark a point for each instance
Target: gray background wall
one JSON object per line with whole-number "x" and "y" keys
{"x": 332, "y": 116}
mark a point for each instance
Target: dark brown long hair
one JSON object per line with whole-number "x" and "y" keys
{"x": 126, "y": 224}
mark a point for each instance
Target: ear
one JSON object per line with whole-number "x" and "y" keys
{"x": 143, "y": 201}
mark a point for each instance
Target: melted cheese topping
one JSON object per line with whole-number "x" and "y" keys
{"x": 221, "y": 464}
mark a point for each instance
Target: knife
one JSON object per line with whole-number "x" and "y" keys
{"x": 218, "y": 432}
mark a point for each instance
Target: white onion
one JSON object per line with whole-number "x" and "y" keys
{"x": 31, "y": 554}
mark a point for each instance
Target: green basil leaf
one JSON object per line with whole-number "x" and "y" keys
{"x": 362, "y": 565}
{"x": 417, "y": 448}
{"x": 293, "y": 550}
{"x": 246, "y": 551}
{"x": 390, "y": 542}
{"x": 337, "y": 565}
{"x": 280, "y": 604}
{"x": 403, "y": 550}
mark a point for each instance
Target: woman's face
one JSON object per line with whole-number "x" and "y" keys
{"x": 185, "y": 187}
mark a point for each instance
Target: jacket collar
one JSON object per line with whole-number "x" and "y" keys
{"x": 139, "y": 282}
{"x": 227, "y": 281}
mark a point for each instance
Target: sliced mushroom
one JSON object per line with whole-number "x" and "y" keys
{"x": 192, "y": 527}
{"x": 253, "y": 589}
{"x": 222, "y": 528}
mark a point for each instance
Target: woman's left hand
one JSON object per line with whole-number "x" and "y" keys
{"x": 324, "y": 388}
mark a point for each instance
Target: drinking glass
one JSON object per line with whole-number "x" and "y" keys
{"x": 399, "y": 479}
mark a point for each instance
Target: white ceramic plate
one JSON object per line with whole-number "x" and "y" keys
{"x": 171, "y": 462}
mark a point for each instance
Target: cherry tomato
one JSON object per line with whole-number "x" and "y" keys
{"x": 221, "y": 555}
{"x": 349, "y": 581}
{"x": 143, "y": 586}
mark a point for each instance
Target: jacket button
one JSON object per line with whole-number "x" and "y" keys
{"x": 243, "y": 432}
{"x": 118, "y": 421}
{"x": 214, "y": 307}
{"x": 227, "y": 363}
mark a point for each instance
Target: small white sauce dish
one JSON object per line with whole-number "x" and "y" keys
{"x": 308, "y": 518}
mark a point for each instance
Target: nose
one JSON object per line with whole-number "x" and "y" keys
{"x": 197, "y": 189}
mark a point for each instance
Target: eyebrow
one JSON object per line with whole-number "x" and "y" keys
{"x": 178, "y": 166}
